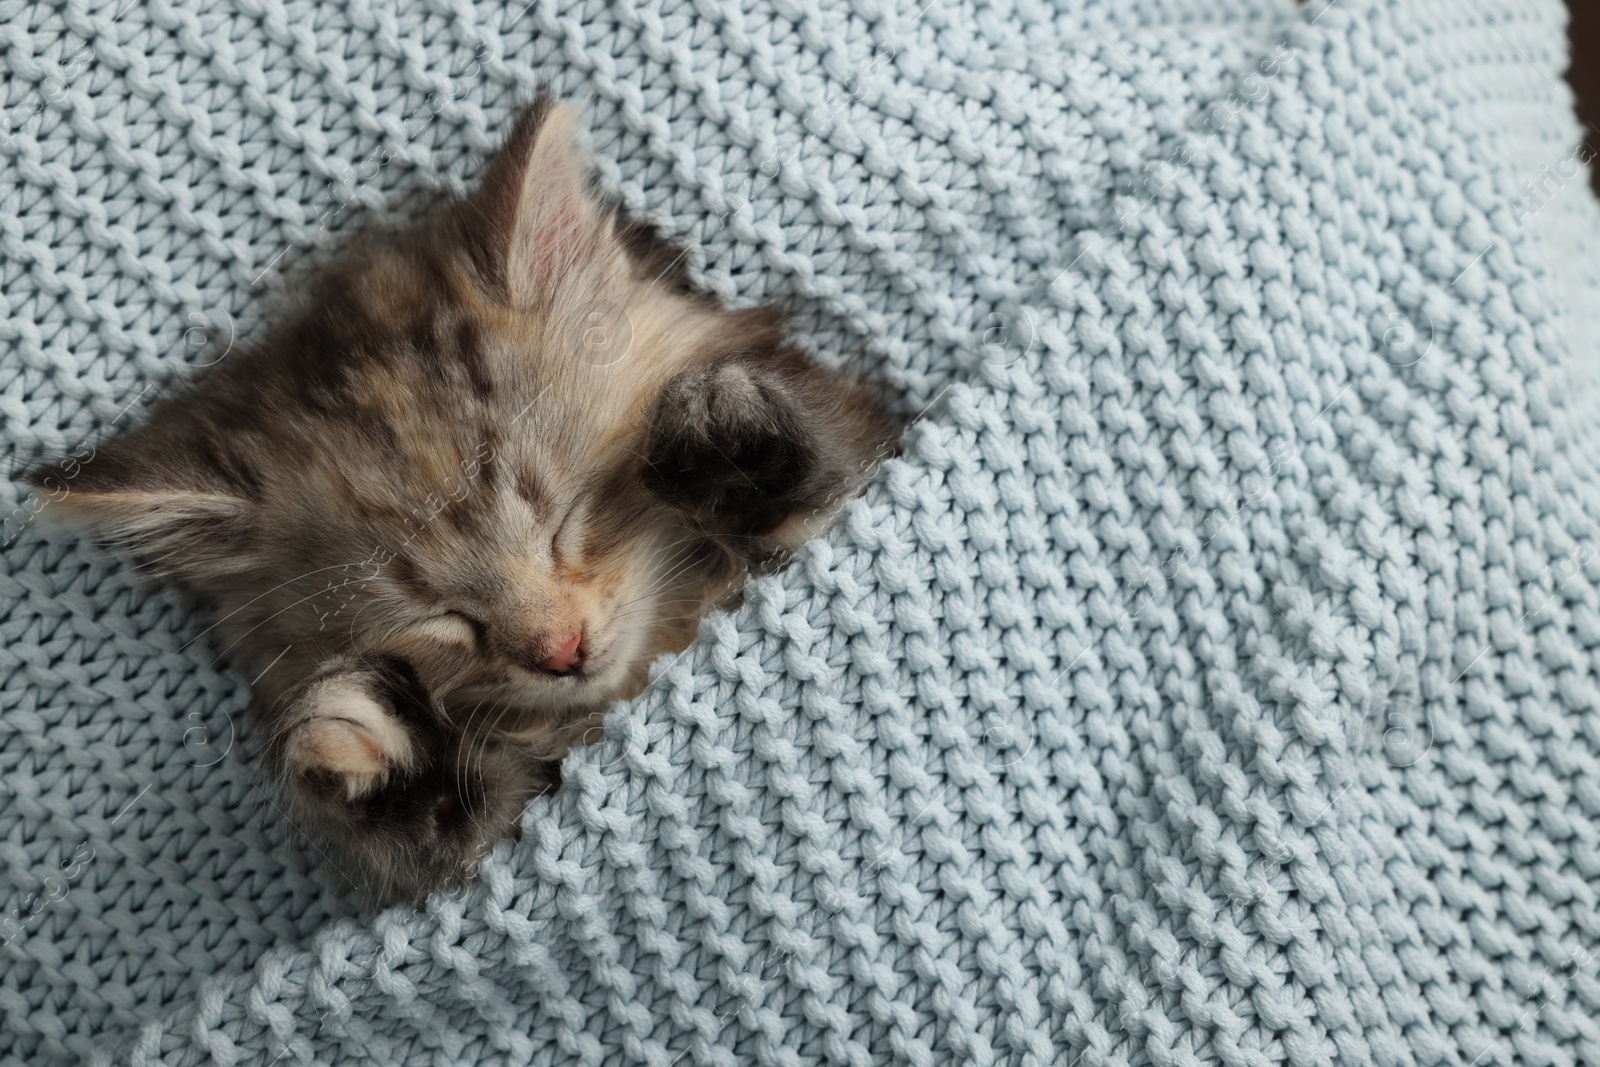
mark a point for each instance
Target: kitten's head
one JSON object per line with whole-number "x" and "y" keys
{"x": 505, "y": 447}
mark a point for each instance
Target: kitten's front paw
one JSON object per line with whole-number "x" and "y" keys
{"x": 346, "y": 733}
{"x": 405, "y": 803}
{"x": 763, "y": 446}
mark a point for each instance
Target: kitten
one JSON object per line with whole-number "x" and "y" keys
{"x": 447, "y": 526}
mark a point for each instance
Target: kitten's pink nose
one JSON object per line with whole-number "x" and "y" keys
{"x": 567, "y": 654}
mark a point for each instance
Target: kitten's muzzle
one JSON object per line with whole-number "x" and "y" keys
{"x": 562, "y": 655}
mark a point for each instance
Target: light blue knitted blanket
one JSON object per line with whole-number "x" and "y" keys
{"x": 1212, "y": 681}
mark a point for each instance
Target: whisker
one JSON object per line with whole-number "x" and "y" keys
{"x": 262, "y": 623}
{"x": 253, "y": 599}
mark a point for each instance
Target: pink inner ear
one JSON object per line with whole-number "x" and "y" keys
{"x": 556, "y": 229}
{"x": 562, "y": 239}
{"x": 562, "y": 219}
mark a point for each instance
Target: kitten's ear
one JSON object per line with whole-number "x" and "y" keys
{"x": 164, "y": 501}
{"x": 533, "y": 222}
{"x": 345, "y": 730}
{"x": 761, "y": 443}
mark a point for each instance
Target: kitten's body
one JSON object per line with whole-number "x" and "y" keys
{"x": 451, "y": 510}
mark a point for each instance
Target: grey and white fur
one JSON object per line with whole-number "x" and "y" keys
{"x": 443, "y": 532}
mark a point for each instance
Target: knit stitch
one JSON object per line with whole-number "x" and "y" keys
{"x": 1212, "y": 680}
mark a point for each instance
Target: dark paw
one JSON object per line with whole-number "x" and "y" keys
{"x": 729, "y": 438}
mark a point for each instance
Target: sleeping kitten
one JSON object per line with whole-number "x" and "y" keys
{"x": 447, "y": 528}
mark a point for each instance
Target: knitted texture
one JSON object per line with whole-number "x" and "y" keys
{"x": 1212, "y": 680}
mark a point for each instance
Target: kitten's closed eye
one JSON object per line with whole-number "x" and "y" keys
{"x": 451, "y": 627}
{"x": 443, "y": 532}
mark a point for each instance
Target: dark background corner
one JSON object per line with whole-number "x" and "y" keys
{"x": 1584, "y": 73}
